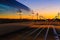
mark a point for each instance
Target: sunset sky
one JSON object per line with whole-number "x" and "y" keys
{"x": 45, "y": 8}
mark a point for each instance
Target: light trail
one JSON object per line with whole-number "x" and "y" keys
{"x": 30, "y": 33}
{"x": 27, "y": 32}
{"x": 45, "y": 38}
{"x": 38, "y": 34}
{"x": 55, "y": 34}
{"x": 24, "y": 34}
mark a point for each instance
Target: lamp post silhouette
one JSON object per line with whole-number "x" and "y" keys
{"x": 20, "y": 13}
{"x": 32, "y": 15}
{"x": 56, "y": 17}
{"x": 37, "y": 16}
{"x": 58, "y": 14}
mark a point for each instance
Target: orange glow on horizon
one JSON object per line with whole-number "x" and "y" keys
{"x": 30, "y": 16}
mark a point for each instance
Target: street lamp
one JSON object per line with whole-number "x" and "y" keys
{"x": 19, "y": 13}
{"x": 58, "y": 14}
{"x": 37, "y": 16}
{"x": 32, "y": 15}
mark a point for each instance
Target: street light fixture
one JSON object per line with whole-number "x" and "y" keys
{"x": 32, "y": 15}
{"x": 20, "y": 13}
{"x": 37, "y": 16}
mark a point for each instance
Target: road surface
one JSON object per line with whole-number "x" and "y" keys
{"x": 29, "y": 31}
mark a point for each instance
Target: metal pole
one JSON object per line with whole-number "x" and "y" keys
{"x": 19, "y": 12}
{"x": 37, "y": 16}
{"x": 20, "y": 16}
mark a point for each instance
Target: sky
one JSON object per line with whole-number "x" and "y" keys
{"x": 46, "y": 8}
{"x": 11, "y": 8}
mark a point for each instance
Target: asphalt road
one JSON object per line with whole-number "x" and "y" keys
{"x": 29, "y": 31}
{"x": 11, "y": 27}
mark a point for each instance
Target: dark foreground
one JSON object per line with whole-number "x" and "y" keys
{"x": 31, "y": 34}
{"x": 17, "y": 31}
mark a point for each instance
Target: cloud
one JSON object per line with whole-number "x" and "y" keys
{"x": 14, "y": 4}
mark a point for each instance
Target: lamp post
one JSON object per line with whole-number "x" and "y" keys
{"x": 58, "y": 14}
{"x": 32, "y": 15}
{"x": 56, "y": 17}
{"x": 37, "y": 16}
{"x": 19, "y": 13}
